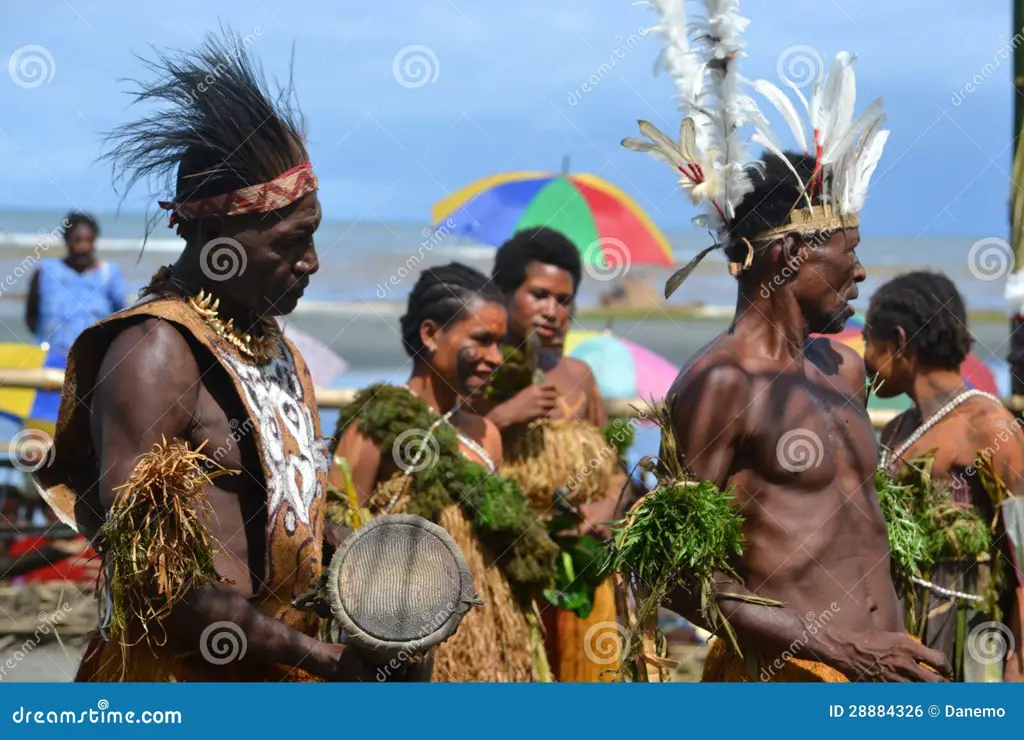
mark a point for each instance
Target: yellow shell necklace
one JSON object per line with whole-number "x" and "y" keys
{"x": 257, "y": 349}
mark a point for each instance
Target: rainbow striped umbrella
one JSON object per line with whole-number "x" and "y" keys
{"x": 605, "y": 224}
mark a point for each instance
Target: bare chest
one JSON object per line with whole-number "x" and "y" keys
{"x": 808, "y": 434}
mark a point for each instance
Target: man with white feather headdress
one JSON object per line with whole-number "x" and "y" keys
{"x": 765, "y": 413}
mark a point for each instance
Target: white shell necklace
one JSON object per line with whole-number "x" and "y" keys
{"x": 932, "y": 420}
{"x": 472, "y": 444}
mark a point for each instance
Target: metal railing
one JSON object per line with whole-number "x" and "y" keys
{"x": 49, "y": 379}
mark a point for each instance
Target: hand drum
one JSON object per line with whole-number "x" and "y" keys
{"x": 399, "y": 585}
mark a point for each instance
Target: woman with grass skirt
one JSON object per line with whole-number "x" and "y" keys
{"x": 558, "y": 444}
{"x": 962, "y": 453}
{"x": 415, "y": 449}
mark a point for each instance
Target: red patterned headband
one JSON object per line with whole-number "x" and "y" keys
{"x": 283, "y": 190}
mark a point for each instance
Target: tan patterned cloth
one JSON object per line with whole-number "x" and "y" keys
{"x": 285, "y": 428}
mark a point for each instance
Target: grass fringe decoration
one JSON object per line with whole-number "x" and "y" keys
{"x": 678, "y": 535}
{"x": 950, "y": 532}
{"x": 156, "y": 544}
{"x": 909, "y": 554}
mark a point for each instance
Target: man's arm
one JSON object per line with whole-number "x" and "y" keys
{"x": 148, "y": 391}
{"x": 32, "y": 304}
{"x": 709, "y": 418}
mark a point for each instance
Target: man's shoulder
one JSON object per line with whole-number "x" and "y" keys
{"x": 149, "y": 348}
{"x": 717, "y": 372}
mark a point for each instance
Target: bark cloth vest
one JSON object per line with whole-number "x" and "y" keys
{"x": 279, "y": 399}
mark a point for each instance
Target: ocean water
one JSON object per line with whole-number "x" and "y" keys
{"x": 376, "y": 261}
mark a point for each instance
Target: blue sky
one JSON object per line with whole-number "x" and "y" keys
{"x": 505, "y": 91}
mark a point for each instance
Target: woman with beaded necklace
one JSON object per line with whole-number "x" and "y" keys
{"x": 414, "y": 449}
{"x": 916, "y": 338}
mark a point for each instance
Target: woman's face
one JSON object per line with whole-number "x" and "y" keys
{"x": 467, "y": 351}
{"x": 81, "y": 241}
{"x": 890, "y": 369}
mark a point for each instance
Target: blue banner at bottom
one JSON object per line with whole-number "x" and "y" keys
{"x": 203, "y": 711}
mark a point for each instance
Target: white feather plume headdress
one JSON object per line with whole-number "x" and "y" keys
{"x": 711, "y": 157}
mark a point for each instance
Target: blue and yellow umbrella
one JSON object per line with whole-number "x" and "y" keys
{"x": 31, "y": 408}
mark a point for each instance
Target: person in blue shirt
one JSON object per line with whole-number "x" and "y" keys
{"x": 68, "y": 295}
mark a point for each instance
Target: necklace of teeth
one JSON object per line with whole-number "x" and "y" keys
{"x": 259, "y": 350}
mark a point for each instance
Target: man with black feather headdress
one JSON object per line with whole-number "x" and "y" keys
{"x": 188, "y": 441}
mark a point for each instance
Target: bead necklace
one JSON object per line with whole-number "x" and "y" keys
{"x": 932, "y": 420}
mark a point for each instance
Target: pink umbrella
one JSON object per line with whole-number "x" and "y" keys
{"x": 623, "y": 369}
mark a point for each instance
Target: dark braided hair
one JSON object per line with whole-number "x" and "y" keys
{"x": 442, "y": 294}
{"x": 776, "y": 192}
{"x": 541, "y": 244}
{"x": 932, "y": 313}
